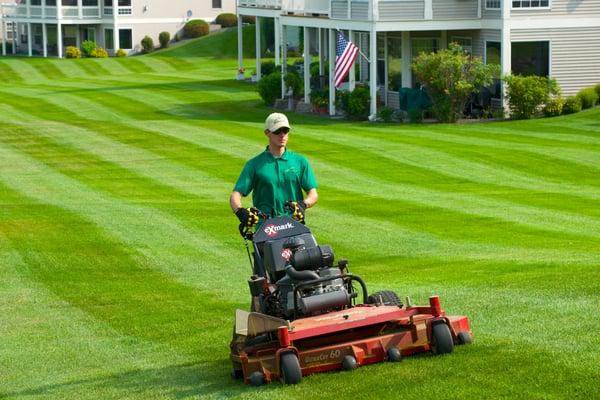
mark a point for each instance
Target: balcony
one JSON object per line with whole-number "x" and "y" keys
{"x": 308, "y": 7}
{"x": 405, "y": 10}
{"x": 272, "y": 4}
{"x": 66, "y": 12}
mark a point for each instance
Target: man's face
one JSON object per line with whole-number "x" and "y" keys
{"x": 278, "y": 138}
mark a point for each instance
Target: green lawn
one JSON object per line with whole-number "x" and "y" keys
{"x": 121, "y": 265}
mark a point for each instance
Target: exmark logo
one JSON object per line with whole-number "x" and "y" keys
{"x": 271, "y": 230}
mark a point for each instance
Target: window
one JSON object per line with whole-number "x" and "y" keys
{"x": 125, "y": 39}
{"x": 530, "y": 3}
{"x": 530, "y": 58}
{"x": 465, "y": 42}
{"x": 107, "y": 3}
{"x": 124, "y": 3}
{"x": 424, "y": 45}
{"x": 216, "y": 4}
{"x": 394, "y": 63}
{"x": 109, "y": 39}
{"x": 492, "y": 4}
{"x": 36, "y": 2}
{"x": 69, "y": 3}
{"x": 51, "y": 3}
{"x": 492, "y": 53}
{"x": 90, "y": 3}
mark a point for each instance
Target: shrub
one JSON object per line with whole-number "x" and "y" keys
{"x": 572, "y": 105}
{"x": 294, "y": 81}
{"x": 72, "y": 52}
{"x": 554, "y": 107}
{"x": 597, "y": 89}
{"x": 99, "y": 52}
{"x": 415, "y": 115}
{"x": 526, "y": 94}
{"x": 342, "y": 98}
{"x": 147, "y": 44}
{"x": 269, "y": 88}
{"x": 359, "y": 103}
{"x": 319, "y": 98}
{"x": 386, "y": 114}
{"x": 588, "y": 97}
{"x": 121, "y": 53}
{"x": 87, "y": 46}
{"x": 164, "y": 38}
{"x": 226, "y": 20}
{"x": 450, "y": 76}
{"x": 195, "y": 28}
{"x": 268, "y": 67}
{"x": 249, "y": 19}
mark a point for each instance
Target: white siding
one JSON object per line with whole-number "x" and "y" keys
{"x": 360, "y": 10}
{"x": 575, "y": 55}
{"x": 401, "y": 10}
{"x": 580, "y": 8}
{"x": 339, "y": 9}
{"x": 454, "y": 9}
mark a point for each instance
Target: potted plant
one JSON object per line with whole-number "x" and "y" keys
{"x": 320, "y": 101}
{"x": 240, "y": 74}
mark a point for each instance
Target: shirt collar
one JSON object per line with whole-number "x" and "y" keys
{"x": 283, "y": 157}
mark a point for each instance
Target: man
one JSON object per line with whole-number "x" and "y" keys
{"x": 277, "y": 177}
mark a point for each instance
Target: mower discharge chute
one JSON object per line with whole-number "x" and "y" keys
{"x": 305, "y": 317}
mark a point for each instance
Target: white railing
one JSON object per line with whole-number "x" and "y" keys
{"x": 90, "y": 12}
{"x": 306, "y": 6}
{"x": 260, "y": 3}
{"x": 124, "y": 10}
{"x": 108, "y": 11}
{"x": 20, "y": 11}
{"x": 70, "y": 11}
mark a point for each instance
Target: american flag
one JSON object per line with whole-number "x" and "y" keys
{"x": 345, "y": 52}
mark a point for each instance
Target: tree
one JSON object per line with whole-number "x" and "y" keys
{"x": 449, "y": 77}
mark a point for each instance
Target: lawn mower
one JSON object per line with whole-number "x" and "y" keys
{"x": 305, "y": 316}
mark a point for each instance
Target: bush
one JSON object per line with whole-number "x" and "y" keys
{"x": 450, "y": 76}
{"x": 526, "y": 94}
{"x": 249, "y": 19}
{"x": 269, "y": 88}
{"x": 294, "y": 81}
{"x": 415, "y": 115}
{"x": 572, "y": 105}
{"x": 164, "y": 38}
{"x": 386, "y": 114}
{"x": 268, "y": 67}
{"x": 195, "y": 28}
{"x": 359, "y": 103}
{"x": 342, "y": 98}
{"x": 588, "y": 97}
{"x": 597, "y": 89}
{"x": 554, "y": 107}
{"x": 87, "y": 46}
{"x": 319, "y": 98}
{"x": 226, "y": 20}
{"x": 99, "y": 52}
{"x": 147, "y": 44}
{"x": 72, "y": 52}
{"x": 121, "y": 53}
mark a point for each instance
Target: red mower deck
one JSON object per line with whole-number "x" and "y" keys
{"x": 264, "y": 347}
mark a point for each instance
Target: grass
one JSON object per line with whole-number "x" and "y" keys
{"x": 121, "y": 268}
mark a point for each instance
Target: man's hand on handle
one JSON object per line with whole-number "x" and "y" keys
{"x": 297, "y": 209}
{"x": 248, "y": 218}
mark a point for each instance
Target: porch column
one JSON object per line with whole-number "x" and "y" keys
{"x": 331, "y": 72}
{"x": 115, "y": 10}
{"x": 320, "y": 42}
{"x": 283, "y": 32}
{"x": 373, "y": 72}
{"x": 29, "y": 41}
{"x": 307, "y": 60}
{"x": 406, "y": 60}
{"x": 505, "y": 48}
{"x": 258, "y": 50}
{"x": 3, "y": 23}
{"x": 44, "y": 40}
{"x": 15, "y": 33}
{"x": 277, "y": 41}
{"x": 385, "y": 72}
{"x": 352, "y": 74}
{"x": 59, "y": 38}
{"x": 240, "y": 42}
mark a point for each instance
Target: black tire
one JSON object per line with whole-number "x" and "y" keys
{"x": 464, "y": 337}
{"x": 394, "y": 355}
{"x": 441, "y": 339}
{"x": 290, "y": 369}
{"x": 385, "y": 298}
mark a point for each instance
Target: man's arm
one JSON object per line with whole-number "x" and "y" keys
{"x": 235, "y": 200}
{"x": 311, "y": 198}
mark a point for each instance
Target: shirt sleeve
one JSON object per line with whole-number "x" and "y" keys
{"x": 244, "y": 182}
{"x": 308, "y": 177}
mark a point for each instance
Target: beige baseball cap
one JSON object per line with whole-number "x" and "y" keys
{"x": 276, "y": 121}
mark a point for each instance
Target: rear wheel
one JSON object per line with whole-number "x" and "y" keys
{"x": 441, "y": 339}
{"x": 385, "y": 298}
{"x": 290, "y": 369}
{"x": 464, "y": 337}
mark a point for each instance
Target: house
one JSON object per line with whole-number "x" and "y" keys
{"x": 556, "y": 38}
{"x": 47, "y": 27}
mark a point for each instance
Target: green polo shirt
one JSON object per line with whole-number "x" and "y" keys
{"x": 275, "y": 180}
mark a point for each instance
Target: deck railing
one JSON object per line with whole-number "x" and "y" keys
{"x": 276, "y": 4}
{"x": 68, "y": 12}
{"x": 306, "y": 6}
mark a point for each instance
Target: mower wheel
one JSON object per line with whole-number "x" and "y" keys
{"x": 441, "y": 339}
{"x": 257, "y": 378}
{"x": 349, "y": 363}
{"x": 290, "y": 369}
{"x": 385, "y": 298}
{"x": 464, "y": 337}
{"x": 394, "y": 355}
